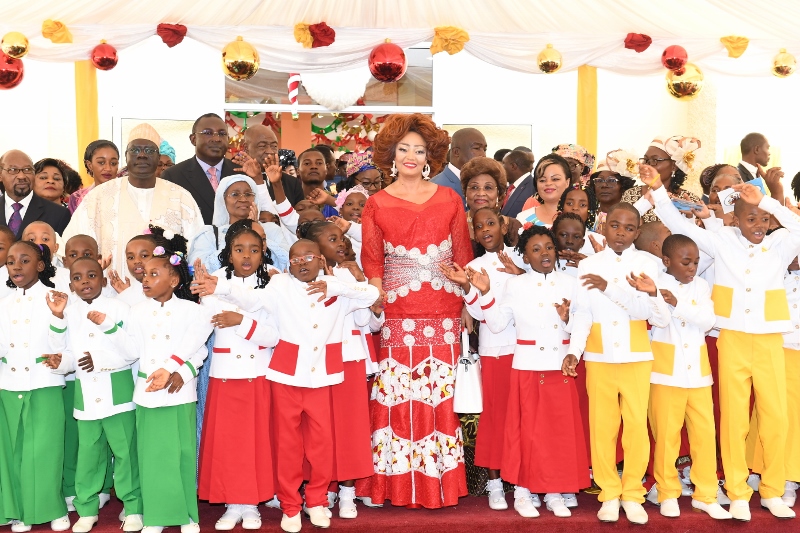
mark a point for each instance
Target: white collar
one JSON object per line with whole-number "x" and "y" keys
{"x": 753, "y": 170}
{"x": 520, "y": 179}
{"x": 206, "y": 166}
{"x": 25, "y": 202}
{"x": 454, "y": 170}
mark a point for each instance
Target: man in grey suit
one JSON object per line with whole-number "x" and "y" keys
{"x": 518, "y": 165}
{"x": 465, "y": 144}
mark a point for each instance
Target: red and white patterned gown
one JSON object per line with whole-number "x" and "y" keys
{"x": 417, "y": 444}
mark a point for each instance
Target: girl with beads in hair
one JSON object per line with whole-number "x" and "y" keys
{"x": 170, "y": 330}
{"x": 235, "y": 450}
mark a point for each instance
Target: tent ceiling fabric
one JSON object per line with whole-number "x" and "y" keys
{"x": 507, "y": 33}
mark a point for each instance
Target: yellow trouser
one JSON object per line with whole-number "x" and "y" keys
{"x": 669, "y": 408}
{"x": 755, "y": 361}
{"x": 755, "y": 452}
{"x": 621, "y": 389}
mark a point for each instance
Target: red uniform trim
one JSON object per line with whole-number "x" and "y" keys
{"x": 252, "y": 330}
{"x": 221, "y": 350}
{"x": 330, "y": 301}
{"x": 177, "y": 359}
{"x": 565, "y": 341}
{"x": 356, "y": 332}
{"x": 473, "y": 300}
{"x": 487, "y": 306}
{"x": 286, "y": 212}
{"x": 523, "y": 342}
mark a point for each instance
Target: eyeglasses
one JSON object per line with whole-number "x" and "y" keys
{"x": 653, "y": 161}
{"x": 13, "y": 171}
{"x": 303, "y": 259}
{"x": 371, "y": 184}
{"x": 486, "y": 188}
{"x": 236, "y": 195}
{"x": 161, "y": 164}
{"x": 606, "y": 181}
{"x": 208, "y": 133}
{"x": 149, "y": 150}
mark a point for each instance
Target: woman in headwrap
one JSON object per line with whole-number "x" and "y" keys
{"x": 615, "y": 175}
{"x": 581, "y": 162}
{"x": 361, "y": 170}
{"x": 673, "y": 158}
{"x": 166, "y": 159}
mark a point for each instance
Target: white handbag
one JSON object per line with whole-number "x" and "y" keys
{"x": 468, "y": 391}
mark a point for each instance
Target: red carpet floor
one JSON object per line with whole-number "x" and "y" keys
{"x": 473, "y": 515}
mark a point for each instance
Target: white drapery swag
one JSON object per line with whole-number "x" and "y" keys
{"x": 506, "y": 33}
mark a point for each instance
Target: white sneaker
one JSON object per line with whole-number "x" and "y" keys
{"x": 251, "y": 518}
{"x": 555, "y": 503}
{"x": 328, "y": 512}
{"x": 84, "y": 524}
{"x": 536, "y": 501}
{"x": 777, "y": 507}
{"x": 232, "y": 516}
{"x": 60, "y": 524}
{"x": 714, "y": 510}
{"x": 132, "y": 523}
{"x": 740, "y": 510}
{"x": 497, "y": 500}
{"x": 669, "y": 508}
{"x": 635, "y": 512}
{"x": 122, "y": 515}
{"x": 790, "y": 493}
{"x": 191, "y": 527}
{"x": 291, "y": 525}
{"x": 722, "y": 498}
{"x": 319, "y": 517}
{"x": 754, "y": 480}
{"x": 570, "y": 500}
{"x": 609, "y": 511}
{"x": 104, "y": 499}
{"x": 347, "y": 508}
{"x": 332, "y": 497}
{"x": 274, "y": 503}
{"x": 366, "y": 500}
{"x": 652, "y": 495}
{"x": 70, "y": 504}
{"x": 152, "y": 529}
{"x": 19, "y": 527}
{"x": 525, "y": 507}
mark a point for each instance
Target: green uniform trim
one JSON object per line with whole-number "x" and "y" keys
{"x": 3, "y": 359}
{"x": 57, "y": 330}
{"x": 117, "y": 326}
{"x": 141, "y": 374}
{"x": 191, "y": 367}
{"x": 41, "y": 359}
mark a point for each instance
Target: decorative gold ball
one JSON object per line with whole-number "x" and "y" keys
{"x": 240, "y": 60}
{"x": 686, "y": 83}
{"x": 14, "y": 44}
{"x": 549, "y": 60}
{"x": 783, "y": 64}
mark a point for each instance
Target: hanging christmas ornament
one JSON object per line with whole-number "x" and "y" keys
{"x": 240, "y": 60}
{"x": 549, "y": 60}
{"x": 783, "y": 64}
{"x": 104, "y": 56}
{"x": 674, "y": 57}
{"x": 294, "y": 90}
{"x": 387, "y": 62}
{"x": 14, "y": 45}
{"x": 687, "y": 84}
{"x": 11, "y": 71}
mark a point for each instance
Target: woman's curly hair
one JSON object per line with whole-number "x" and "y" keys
{"x": 437, "y": 140}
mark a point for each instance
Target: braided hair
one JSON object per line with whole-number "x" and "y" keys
{"x": 311, "y": 230}
{"x": 175, "y": 254}
{"x": 479, "y": 249}
{"x": 594, "y": 205}
{"x": 245, "y": 227}
{"x": 42, "y": 254}
{"x": 532, "y": 231}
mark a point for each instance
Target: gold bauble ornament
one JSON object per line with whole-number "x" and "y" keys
{"x": 549, "y": 60}
{"x": 685, "y": 84}
{"x": 240, "y": 60}
{"x": 783, "y": 64}
{"x": 14, "y": 44}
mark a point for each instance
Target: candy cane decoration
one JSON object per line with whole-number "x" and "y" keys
{"x": 294, "y": 89}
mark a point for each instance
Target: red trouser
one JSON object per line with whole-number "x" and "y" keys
{"x": 302, "y": 428}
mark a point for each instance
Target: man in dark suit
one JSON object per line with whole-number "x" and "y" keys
{"x": 201, "y": 174}
{"x": 518, "y": 165}
{"x": 465, "y": 144}
{"x": 20, "y": 206}
{"x": 260, "y": 141}
{"x": 755, "y": 154}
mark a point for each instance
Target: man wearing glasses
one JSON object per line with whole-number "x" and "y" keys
{"x": 20, "y": 206}
{"x": 201, "y": 174}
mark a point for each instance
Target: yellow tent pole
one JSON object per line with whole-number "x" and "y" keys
{"x": 86, "y": 116}
{"x": 587, "y": 108}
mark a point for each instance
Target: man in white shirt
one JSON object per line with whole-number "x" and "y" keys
{"x": 518, "y": 165}
{"x": 465, "y": 144}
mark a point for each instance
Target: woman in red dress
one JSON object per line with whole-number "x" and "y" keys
{"x": 409, "y": 229}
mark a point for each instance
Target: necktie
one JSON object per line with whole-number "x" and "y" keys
{"x": 212, "y": 177}
{"x": 15, "y": 221}
{"x": 508, "y": 194}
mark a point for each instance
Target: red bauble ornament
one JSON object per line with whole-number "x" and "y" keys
{"x": 387, "y": 62}
{"x": 674, "y": 57}
{"x": 11, "y": 71}
{"x": 104, "y": 56}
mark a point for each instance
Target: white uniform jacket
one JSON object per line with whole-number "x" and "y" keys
{"x": 309, "y": 352}
{"x": 108, "y": 389}
{"x": 357, "y": 325}
{"x": 680, "y": 355}
{"x": 528, "y": 302}
{"x": 587, "y": 249}
{"x": 791, "y": 281}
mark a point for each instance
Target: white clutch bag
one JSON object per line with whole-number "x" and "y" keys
{"x": 468, "y": 391}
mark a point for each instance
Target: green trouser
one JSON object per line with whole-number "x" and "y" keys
{"x": 117, "y": 432}
{"x": 70, "y": 441}
{"x": 166, "y": 438}
{"x": 32, "y": 462}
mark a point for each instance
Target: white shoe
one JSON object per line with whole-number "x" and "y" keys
{"x": 652, "y": 495}
{"x": 497, "y": 500}
{"x": 722, "y": 498}
{"x": 347, "y": 508}
{"x": 84, "y": 524}
{"x": 669, "y": 508}
{"x": 525, "y": 507}
{"x": 536, "y": 501}
{"x": 609, "y": 511}
{"x": 291, "y": 525}
{"x": 319, "y": 516}
{"x": 19, "y": 527}
{"x": 251, "y": 518}
{"x": 570, "y": 500}
{"x": 754, "y": 480}
{"x": 60, "y": 524}
{"x": 132, "y": 523}
{"x": 555, "y": 503}
{"x": 232, "y": 516}
{"x": 274, "y": 503}
{"x": 635, "y": 512}
{"x": 332, "y": 497}
{"x": 191, "y": 527}
{"x": 70, "y": 504}
{"x": 152, "y": 529}
{"x": 366, "y": 500}
{"x": 790, "y": 493}
{"x": 104, "y": 499}
{"x": 122, "y": 515}
{"x": 714, "y": 510}
{"x": 777, "y": 507}
{"x": 328, "y": 512}
{"x": 740, "y": 510}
